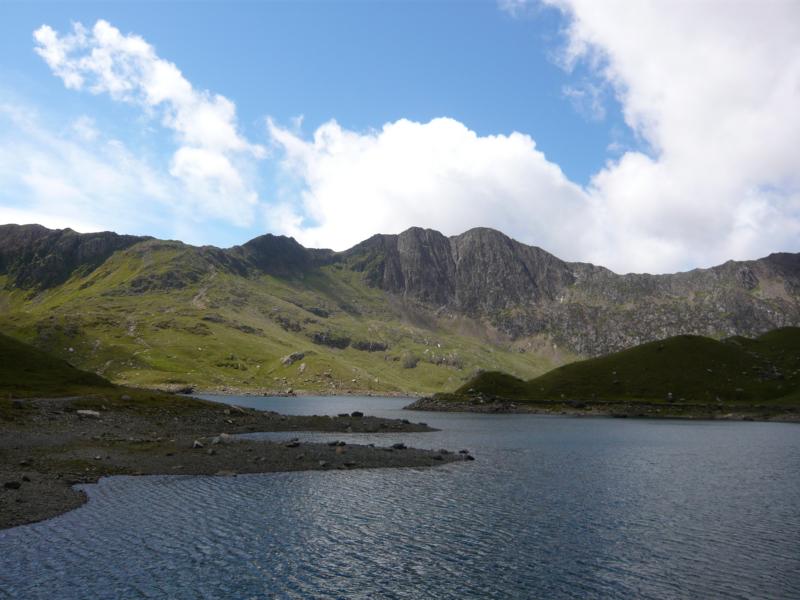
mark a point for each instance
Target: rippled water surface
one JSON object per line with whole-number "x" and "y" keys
{"x": 551, "y": 508}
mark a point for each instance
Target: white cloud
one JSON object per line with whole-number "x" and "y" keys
{"x": 85, "y": 128}
{"x": 714, "y": 89}
{"x": 64, "y": 179}
{"x": 213, "y": 157}
{"x": 587, "y": 98}
{"x": 437, "y": 174}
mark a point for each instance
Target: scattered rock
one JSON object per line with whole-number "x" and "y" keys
{"x": 222, "y": 438}
{"x": 463, "y": 451}
{"x": 88, "y": 414}
{"x": 293, "y": 444}
{"x": 323, "y": 463}
{"x": 292, "y": 358}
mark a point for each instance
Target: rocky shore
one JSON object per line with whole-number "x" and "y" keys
{"x": 622, "y": 409}
{"x": 49, "y": 445}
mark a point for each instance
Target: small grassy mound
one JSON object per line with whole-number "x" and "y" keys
{"x": 683, "y": 369}
{"x": 26, "y": 371}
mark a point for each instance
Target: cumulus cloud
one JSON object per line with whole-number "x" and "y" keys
{"x": 211, "y": 161}
{"x": 713, "y": 88}
{"x": 437, "y": 174}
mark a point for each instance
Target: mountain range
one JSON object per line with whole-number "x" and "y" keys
{"x": 413, "y": 312}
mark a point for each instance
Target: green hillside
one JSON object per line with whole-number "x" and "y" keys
{"x": 167, "y": 315}
{"x": 679, "y": 371}
{"x": 26, "y": 371}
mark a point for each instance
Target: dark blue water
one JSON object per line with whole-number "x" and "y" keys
{"x": 551, "y": 508}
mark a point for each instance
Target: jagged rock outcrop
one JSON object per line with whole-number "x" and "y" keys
{"x": 36, "y": 257}
{"x": 524, "y": 290}
{"x": 279, "y": 255}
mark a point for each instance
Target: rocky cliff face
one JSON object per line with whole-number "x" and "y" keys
{"x": 481, "y": 274}
{"x": 524, "y": 290}
{"x": 36, "y": 257}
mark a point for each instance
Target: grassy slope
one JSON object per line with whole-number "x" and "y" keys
{"x": 687, "y": 369}
{"x": 221, "y": 330}
{"x": 26, "y": 371}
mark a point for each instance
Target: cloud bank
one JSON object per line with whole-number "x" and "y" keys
{"x": 211, "y": 161}
{"x": 713, "y": 88}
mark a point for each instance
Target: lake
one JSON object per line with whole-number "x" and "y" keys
{"x": 552, "y": 507}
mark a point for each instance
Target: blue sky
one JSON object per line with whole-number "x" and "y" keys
{"x": 540, "y": 120}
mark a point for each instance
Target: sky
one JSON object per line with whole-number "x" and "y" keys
{"x": 646, "y": 136}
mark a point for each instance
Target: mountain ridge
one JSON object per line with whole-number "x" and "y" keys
{"x": 396, "y": 292}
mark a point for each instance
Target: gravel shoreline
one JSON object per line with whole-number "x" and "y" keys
{"x": 49, "y": 445}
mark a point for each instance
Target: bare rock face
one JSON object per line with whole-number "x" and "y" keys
{"x": 523, "y": 290}
{"x": 35, "y": 256}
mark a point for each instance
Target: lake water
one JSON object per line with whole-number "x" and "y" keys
{"x": 551, "y": 508}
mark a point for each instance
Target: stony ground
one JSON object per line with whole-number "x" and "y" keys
{"x": 48, "y": 445}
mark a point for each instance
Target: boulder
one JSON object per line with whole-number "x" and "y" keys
{"x": 12, "y": 485}
{"x": 197, "y": 444}
{"x": 399, "y": 446}
{"x": 292, "y": 358}
{"x": 88, "y": 414}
